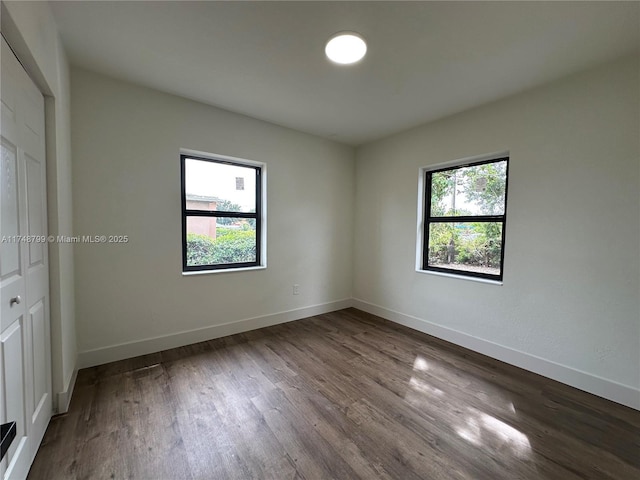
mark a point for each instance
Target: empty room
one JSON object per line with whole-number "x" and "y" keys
{"x": 320, "y": 240}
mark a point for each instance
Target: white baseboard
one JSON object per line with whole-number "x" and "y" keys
{"x": 63, "y": 399}
{"x": 99, "y": 356}
{"x": 601, "y": 387}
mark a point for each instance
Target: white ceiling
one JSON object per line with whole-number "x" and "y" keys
{"x": 426, "y": 60}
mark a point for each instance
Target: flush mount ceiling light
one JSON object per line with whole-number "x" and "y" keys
{"x": 345, "y": 48}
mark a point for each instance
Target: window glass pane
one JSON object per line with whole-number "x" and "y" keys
{"x": 468, "y": 246}
{"x": 210, "y": 242}
{"x": 475, "y": 190}
{"x": 218, "y": 186}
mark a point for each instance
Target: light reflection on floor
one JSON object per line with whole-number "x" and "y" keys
{"x": 420, "y": 364}
{"x": 485, "y": 430}
{"x": 474, "y": 426}
{"x": 424, "y": 387}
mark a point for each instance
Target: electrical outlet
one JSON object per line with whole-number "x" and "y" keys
{"x": 296, "y": 289}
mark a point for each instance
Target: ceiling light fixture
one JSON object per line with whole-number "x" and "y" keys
{"x": 345, "y": 48}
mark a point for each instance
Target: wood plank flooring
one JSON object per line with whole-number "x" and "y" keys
{"x": 345, "y": 395}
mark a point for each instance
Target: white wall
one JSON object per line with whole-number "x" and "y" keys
{"x": 31, "y": 31}
{"x": 126, "y": 141}
{"x": 569, "y": 305}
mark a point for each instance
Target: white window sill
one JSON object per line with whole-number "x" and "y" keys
{"x": 223, "y": 270}
{"x": 462, "y": 277}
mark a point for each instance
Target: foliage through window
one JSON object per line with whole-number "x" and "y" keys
{"x": 465, "y": 217}
{"x": 221, "y": 213}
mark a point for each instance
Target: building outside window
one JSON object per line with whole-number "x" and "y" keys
{"x": 222, "y": 213}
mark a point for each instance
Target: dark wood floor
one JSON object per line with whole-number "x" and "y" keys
{"x": 344, "y": 395}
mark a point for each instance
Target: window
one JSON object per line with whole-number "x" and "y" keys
{"x": 465, "y": 213}
{"x": 221, "y": 213}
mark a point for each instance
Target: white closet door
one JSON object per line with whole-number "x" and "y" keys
{"x": 25, "y": 346}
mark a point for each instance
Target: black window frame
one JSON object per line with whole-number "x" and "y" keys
{"x": 428, "y": 220}
{"x": 257, "y": 215}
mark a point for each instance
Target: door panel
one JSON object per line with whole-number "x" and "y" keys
{"x": 38, "y": 360}
{"x": 39, "y": 339}
{"x": 25, "y": 379}
{"x": 9, "y": 251}
{"x": 18, "y": 459}
{"x": 35, "y": 213}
